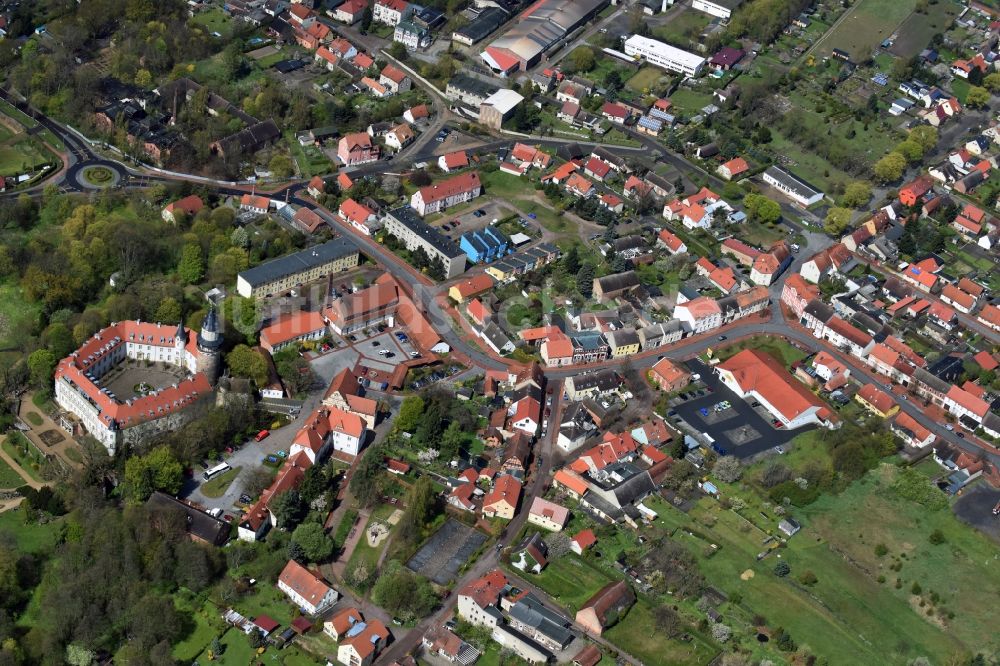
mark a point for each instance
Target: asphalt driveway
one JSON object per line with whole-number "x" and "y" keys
{"x": 726, "y": 428}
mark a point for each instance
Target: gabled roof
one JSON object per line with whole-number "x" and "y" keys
{"x": 304, "y": 582}
{"x": 876, "y": 397}
{"x": 758, "y": 371}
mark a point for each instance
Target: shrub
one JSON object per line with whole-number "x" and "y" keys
{"x": 915, "y": 588}
{"x": 881, "y": 550}
{"x": 937, "y": 537}
{"x": 781, "y": 569}
{"x": 808, "y": 578}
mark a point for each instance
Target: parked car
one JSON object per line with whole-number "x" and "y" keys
{"x": 262, "y": 435}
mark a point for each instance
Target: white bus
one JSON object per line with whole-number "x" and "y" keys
{"x": 213, "y": 472}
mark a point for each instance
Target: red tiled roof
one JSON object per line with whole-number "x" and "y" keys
{"x": 456, "y": 160}
{"x": 598, "y": 167}
{"x": 290, "y": 326}
{"x": 485, "y": 591}
{"x": 877, "y": 398}
{"x": 447, "y": 188}
{"x": 986, "y": 361}
{"x": 904, "y": 420}
{"x": 758, "y": 371}
{"x": 476, "y": 284}
{"x": 353, "y": 211}
{"x": 964, "y": 399}
{"x": 189, "y": 205}
{"x": 736, "y": 166}
{"x": 394, "y": 74}
{"x": 956, "y": 295}
{"x": 304, "y": 582}
{"x": 585, "y": 539}
{"x": 671, "y": 240}
{"x": 571, "y": 480}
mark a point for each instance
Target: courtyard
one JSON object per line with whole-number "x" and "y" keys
{"x": 134, "y": 379}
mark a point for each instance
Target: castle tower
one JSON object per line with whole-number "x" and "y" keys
{"x": 210, "y": 347}
{"x": 180, "y": 342}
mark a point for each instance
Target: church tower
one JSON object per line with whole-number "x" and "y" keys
{"x": 180, "y": 342}
{"x": 210, "y": 347}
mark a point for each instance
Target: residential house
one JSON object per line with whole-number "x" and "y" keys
{"x": 351, "y": 11}
{"x": 582, "y": 541}
{"x": 453, "y": 161}
{"x": 876, "y": 401}
{"x": 306, "y": 589}
{"x": 391, "y": 12}
{"x": 670, "y": 241}
{"x": 341, "y": 622}
{"x": 669, "y": 376}
{"x": 357, "y": 148}
{"x": 399, "y": 136}
{"x": 394, "y": 79}
{"x": 502, "y": 500}
{"x": 797, "y": 293}
{"x": 697, "y": 211}
{"x": 445, "y": 194}
{"x": 531, "y": 556}
{"x": 255, "y": 204}
{"x": 363, "y": 642}
{"x": 292, "y": 328}
{"x": 477, "y": 600}
{"x": 188, "y": 206}
{"x": 548, "y": 515}
{"x": 911, "y": 432}
{"x": 604, "y": 609}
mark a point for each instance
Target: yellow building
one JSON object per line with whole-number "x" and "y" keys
{"x": 623, "y": 343}
{"x": 876, "y": 401}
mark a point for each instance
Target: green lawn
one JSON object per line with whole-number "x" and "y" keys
{"x": 781, "y": 350}
{"x": 8, "y": 477}
{"x": 206, "y": 625}
{"x": 682, "y": 27}
{"x": 30, "y": 538}
{"x": 690, "y": 102}
{"x": 638, "y": 635}
{"x": 644, "y": 80}
{"x": 570, "y": 581}
{"x": 217, "y": 487}
{"x": 519, "y": 192}
{"x": 214, "y": 20}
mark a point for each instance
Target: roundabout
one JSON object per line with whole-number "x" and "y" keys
{"x": 96, "y": 175}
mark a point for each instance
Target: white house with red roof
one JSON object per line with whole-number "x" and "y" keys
{"x": 329, "y": 428}
{"x": 189, "y": 206}
{"x": 447, "y": 193}
{"x": 796, "y": 293}
{"x": 615, "y": 112}
{"x": 292, "y": 328}
{"x": 351, "y": 11}
{"x": 453, "y": 161}
{"x": 597, "y": 168}
{"x": 734, "y": 168}
{"x": 126, "y": 419}
{"x": 363, "y": 643}
{"x": 696, "y": 211}
{"x": 395, "y": 79}
{"x": 253, "y": 203}
{"x": 911, "y": 432}
{"x": 756, "y": 375}
{"x": 359, "y": 216}
{"x": 548, "y": 515}
{"x": 391, "y": 12}
{"x": 478, "y": 599}
{"x": 671, "y": 241}
{"x": 306, "y": 590}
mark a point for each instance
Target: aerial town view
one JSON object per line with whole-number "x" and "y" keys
{"x": 499, "y": 332}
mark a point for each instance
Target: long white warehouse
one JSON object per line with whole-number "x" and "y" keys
{"x": 664, "y": 55}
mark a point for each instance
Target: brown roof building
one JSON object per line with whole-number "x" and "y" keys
{"x": 605, "y": 608}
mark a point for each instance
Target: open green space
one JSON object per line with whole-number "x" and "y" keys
{"x": 29, "y": 537}
{"x": 218, "y": 486}
{"x": 959, "y": 571}
{"x": 311, "y": 160}
{"x": 520, "y": 193}
{"x": 644, "y": 79}
{"x": 638, "y": 634}
{"x": 214, "y": 20}
{"x": 781, "y": 350}
{"x": 867, "y": 25}
{"x": 203, "y": 630}
{"x": 690, "y": 102}
{"x": 570, "y": 581}
{"x": 682, "y": 28}
{"x": 9, "y": 478}
{"x": 34, "y": 418}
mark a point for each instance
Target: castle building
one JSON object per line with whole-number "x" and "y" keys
{"x": 85, "y": 391}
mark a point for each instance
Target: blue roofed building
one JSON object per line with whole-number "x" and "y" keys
{"x": 485, "y": 245}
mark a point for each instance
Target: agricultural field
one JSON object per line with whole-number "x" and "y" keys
{"x": 916, "y": 31}
{"x": 866, "y": 25}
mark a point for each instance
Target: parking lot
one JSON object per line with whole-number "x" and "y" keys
{"x": 975, "y": 507}
{"x": 468, "y": 220}
{"x": 737, "y": 429}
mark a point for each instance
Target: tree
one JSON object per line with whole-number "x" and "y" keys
{"x": 925, "y": 135}
{"x": 937, "y": 538}
{"x": 157, "y": 470}
{"x": 668, "y": 621}
{"x": 856, "y": 194}
{"x": 837, "y": 220}
{"x": 728, "y": 469}
{"x": 889, "y": 168}
{"x": 41, "y": 364}
{"x": 288, "y": 509}
{"x": 246, "y": 362}
{"x": 452, "y": 440}
{"x": 78, "y": 655}
{"x": 315, "y": 543}
{"x": 992, "y": 82}
{"x": 911, "y": 150}
{"x": 169, "y": 311}
{"x": 977, "y": 97}
{"x": 762, "y": 209}
{"x": 781, "y": 569}
{"x": 411, "y": 413}
{"x": 585, "y": 280}
{"x": 582, "y": 59}
{"x": 281, "y": 166}
{"x": 191, "y": 268}
{"x": 404, "y": 594}
{"x": 571, "y": 261}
